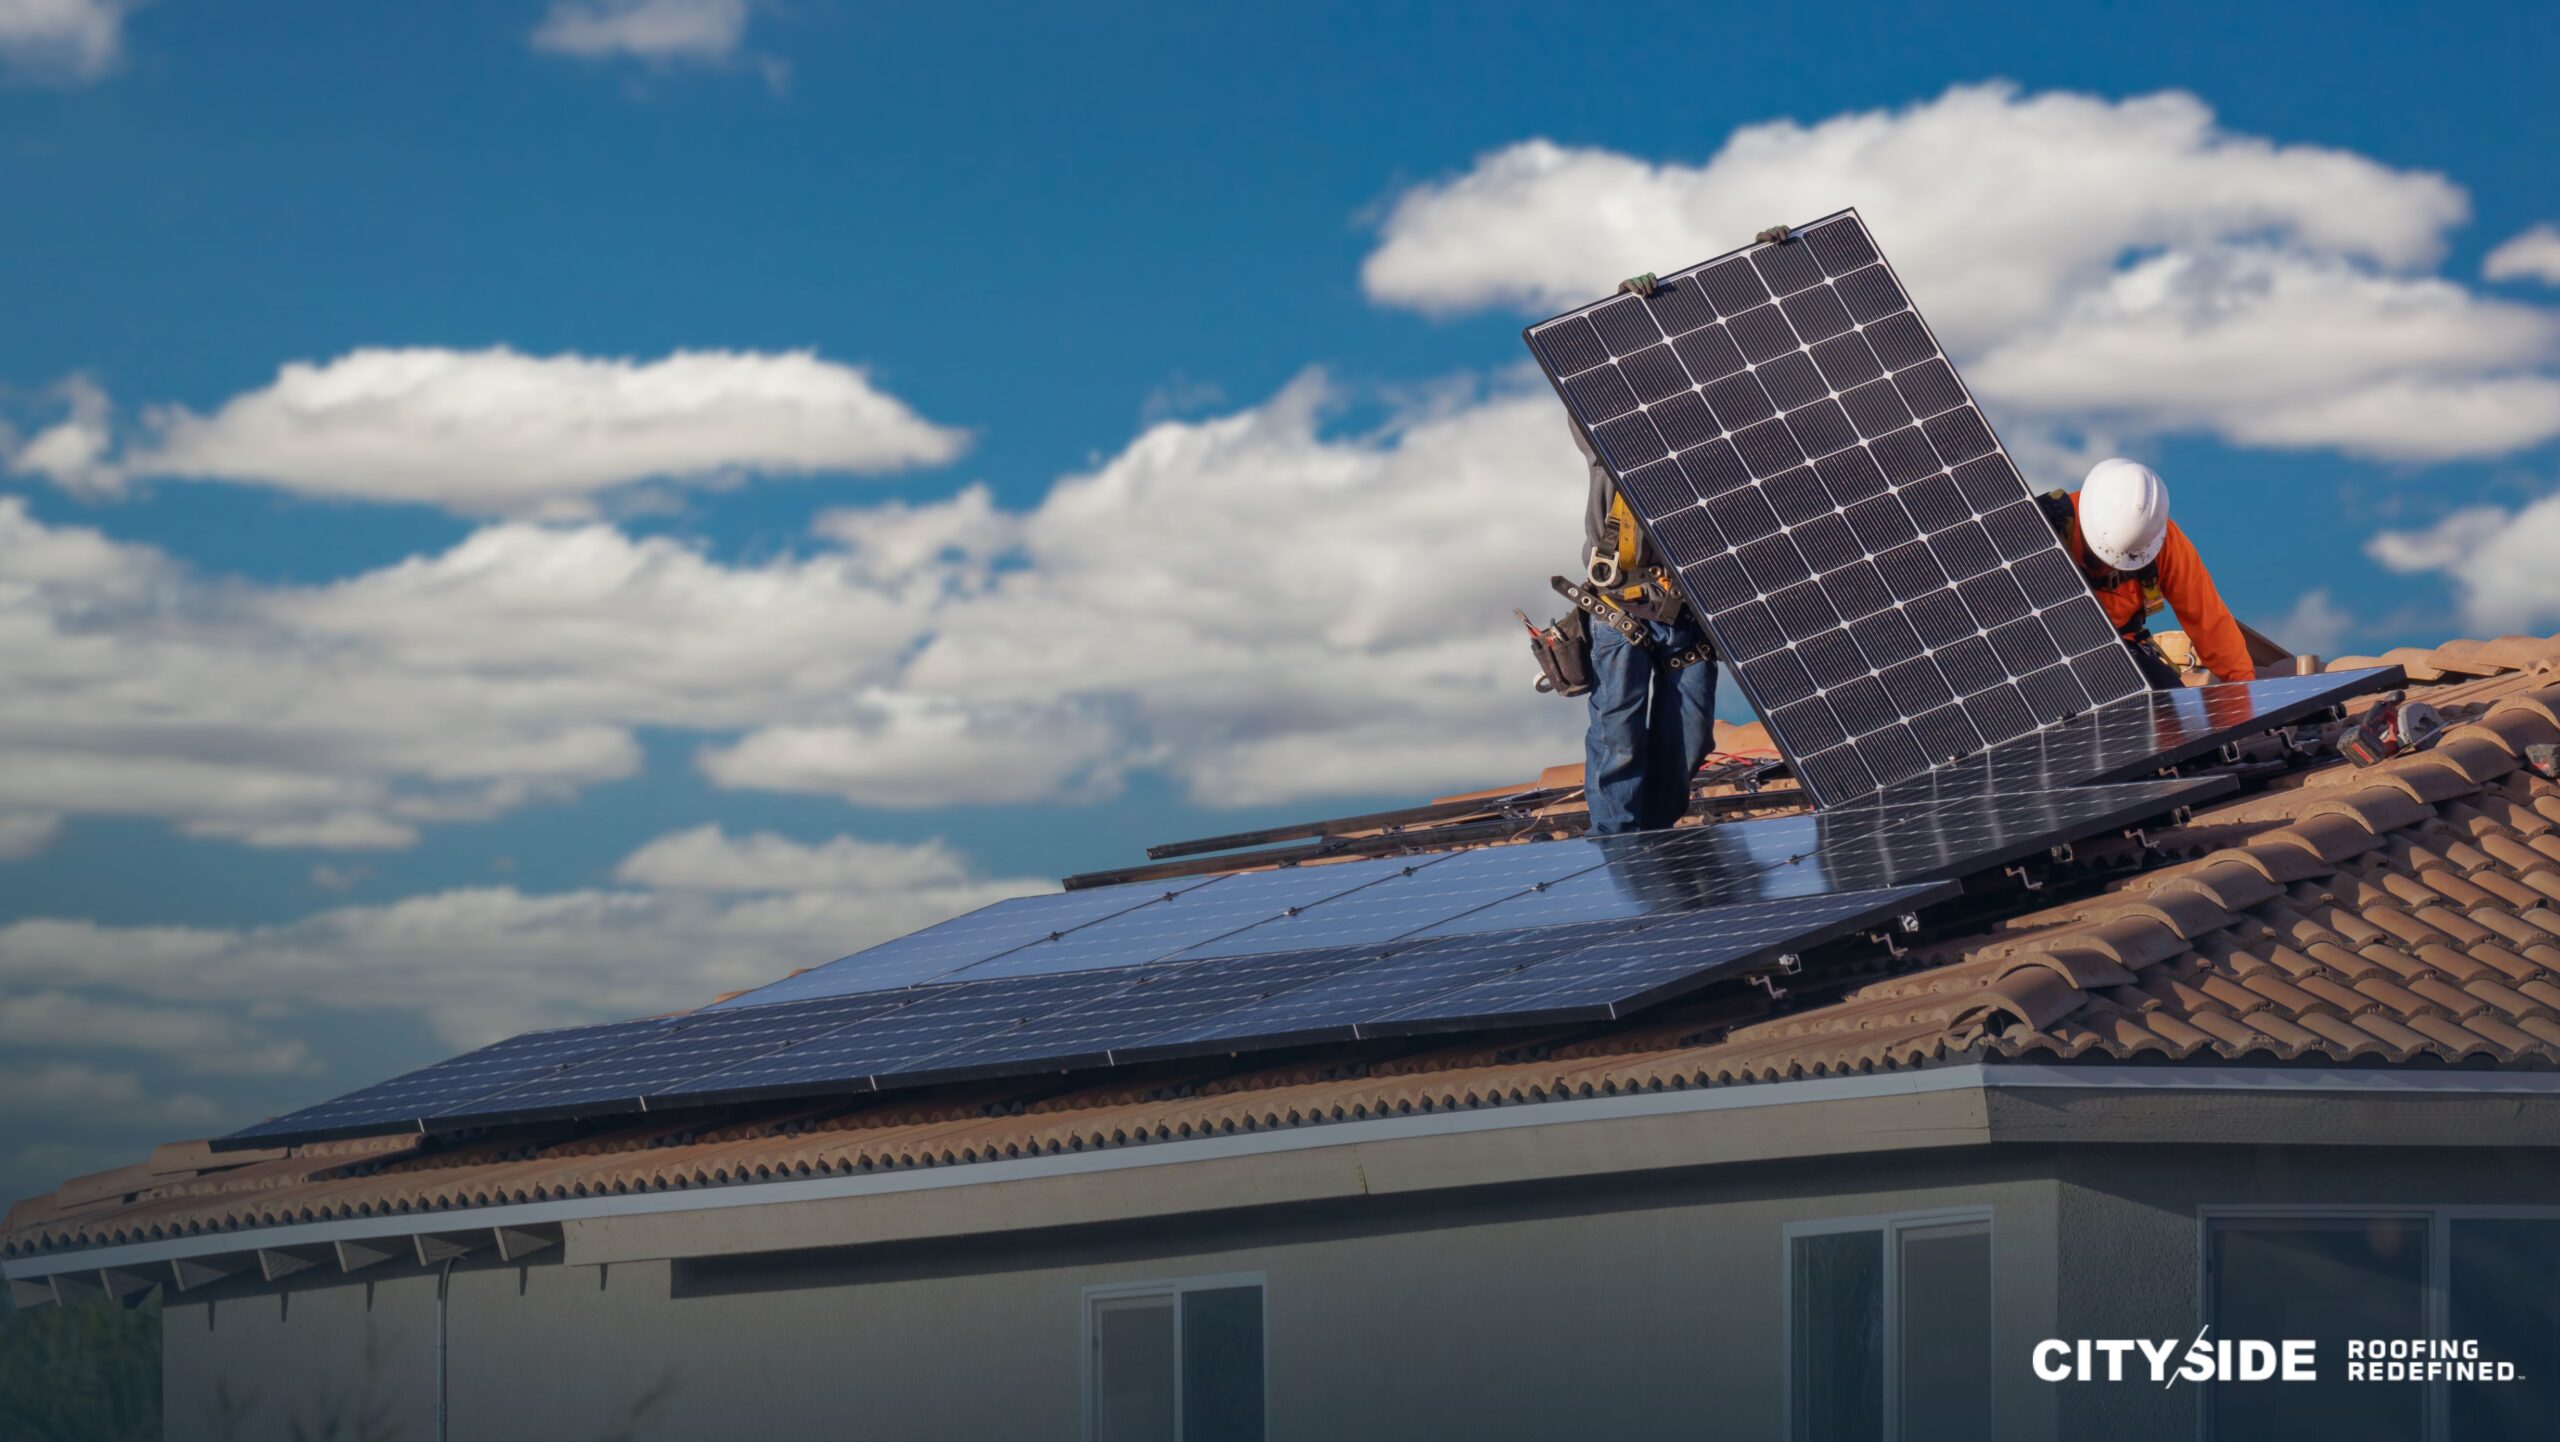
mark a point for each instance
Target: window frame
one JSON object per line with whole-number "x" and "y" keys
{"x": 2438, "y": 1219}
{"x": 1175, "y": 1288}
{"x": 1892, "y": 1225}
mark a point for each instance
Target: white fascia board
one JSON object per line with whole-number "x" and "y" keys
{"x": 1964, "y": 1077}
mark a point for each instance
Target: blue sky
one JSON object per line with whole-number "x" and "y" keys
{"x": 940, "y": 449}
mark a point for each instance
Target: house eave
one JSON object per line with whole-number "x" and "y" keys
{"x": 1970, "y": 1103}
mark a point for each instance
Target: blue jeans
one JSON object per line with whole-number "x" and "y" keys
{"x": 1650, "y": 727}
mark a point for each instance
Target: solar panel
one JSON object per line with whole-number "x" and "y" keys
{"x": 963, "y": 941}
{"x": 1419, "y": 897}
{"x": 1158, "y": 1000}
{"x": 403, "y": 1100}
{"x": 1862, "y": 551}
{"x": 2142, "y": 734}
{"x": 666, "y": 1058}
{"x": 1652, "y": 964}
{"x": 1401, "y": 976}
{"x": 1200, "y": 917}
{"x": 936, "y": 1021}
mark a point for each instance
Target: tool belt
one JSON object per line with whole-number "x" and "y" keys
{"x": 1562, "y": 648}
{"x": 1605, "y": 609}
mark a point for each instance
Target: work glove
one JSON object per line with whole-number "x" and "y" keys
{"x": 1637, "y": 285}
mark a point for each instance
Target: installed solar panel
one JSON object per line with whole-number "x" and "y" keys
{"x": 1865, "y": 556}
{"x": 404, "y": 1100}
{"x": 937, "y": 1021}
{"x": 668, "y": 1057}
{"x": 2142, "y": 734}
{"x": 1651, "y": 964}
{"x": 1496, "y": 937}
{"x": 1201, "y": 917}
{"x": 963, "y": 941}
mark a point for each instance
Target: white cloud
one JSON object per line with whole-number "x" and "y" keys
{"x": 920, "y": 751}
{"x": 707, "y": 858}
{"x": 1238, "y": 602}
{"x": 481, "y": 963}
{"x": 2127, "y": 265}
{"x": 659, "y": 32}
{"x": 1254, "y": 607}
{"x": 27, "y": 833}
{"x": 2316, "y": 626}
{"x": 61, "y": 40}
{"x": 2499, "y": 562}
{"x": 2274, "y": 349}
{"x": 2533, "y": 255}
{"x": 498, "y": 432}
{"x": 206, "y": 1042}
{"x": 72, "y": 453}
{"x": 71, "y": 1093}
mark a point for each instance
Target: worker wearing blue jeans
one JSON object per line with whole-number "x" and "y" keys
{"x": 1651, "y": 724}
{"x": 1650, "y": 727}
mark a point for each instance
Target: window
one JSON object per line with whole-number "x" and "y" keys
{"x": 1174, "y": 1361}
{"x": 2437, "y": 1274}
{"x": 1889, "y": 1329}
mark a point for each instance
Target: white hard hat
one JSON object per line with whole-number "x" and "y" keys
{"x": 2124, "y": 513}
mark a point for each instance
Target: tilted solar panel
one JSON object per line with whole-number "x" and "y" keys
{"x": 1865, "y": 556}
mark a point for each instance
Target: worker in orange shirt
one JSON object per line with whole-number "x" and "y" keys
{"x": 2117, "y": 528}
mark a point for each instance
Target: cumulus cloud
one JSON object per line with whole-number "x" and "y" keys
{"x": 61, "y": 40}
{"x": 659, "y": 32}
{"x": 1240, "y": 601}
{"x": 2534, "y": 255}
{"x": 2092, "y": 263}
{"x": 1235, "y": 602}
{"x": 2498, "y": 561}
{"x": 917, "y": 751}
{"x": 2274, "y": 349}
{"x": 206, "y": 1042}
{"x": 707, "y": 858}
{"x": 2316, "y": 626}
{"x": 70, "y": 1093}
{"x": 494, "y": 431}
{"x": 72, "y": 452}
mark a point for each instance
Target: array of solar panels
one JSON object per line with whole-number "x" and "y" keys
{"x": 1438, "y": 972}
{"x": 1866, "y": 558}
{"x": 1542, "y": 932}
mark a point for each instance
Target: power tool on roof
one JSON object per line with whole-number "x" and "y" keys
{"x": 2394, "y": 727}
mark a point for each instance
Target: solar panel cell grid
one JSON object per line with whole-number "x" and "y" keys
{"x": 1807, "y": 357}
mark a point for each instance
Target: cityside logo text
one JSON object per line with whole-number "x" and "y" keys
{"x": 2169, "y": 1361}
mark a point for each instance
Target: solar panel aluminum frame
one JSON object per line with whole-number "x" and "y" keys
{"x": 1888, "y": 726}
